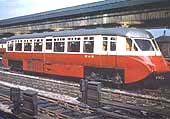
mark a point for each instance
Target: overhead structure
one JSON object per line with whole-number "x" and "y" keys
{"x": 107, "y": 13}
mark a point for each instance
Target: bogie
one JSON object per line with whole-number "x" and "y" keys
{"x": 104, "y": 74}
{"x": 15, "y": 65}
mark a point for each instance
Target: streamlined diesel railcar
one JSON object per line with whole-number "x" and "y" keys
{"x": 2, "y": 47}
{"x": 119, "y": 55}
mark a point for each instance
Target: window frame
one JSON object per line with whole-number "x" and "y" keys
{"x": 105, "y": 46}
{"x": 112, "y": 41}
{"x": 49, "y": 40}
{"x": 88, "y": 39}
{"x": 108, "y": 40}
{"x": 59, "y": 40}
{"x": 38, "y": 40}
{"x": 31, "y": 41}
{"x": 139, "y": 49}
{"x": 13, "y": 45}
{"x": 18, "y": 41}
{"x": 74, "y": 39}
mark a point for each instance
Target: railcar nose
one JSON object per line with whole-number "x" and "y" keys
{"x": 160, "y": 64}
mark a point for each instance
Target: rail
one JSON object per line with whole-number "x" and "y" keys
{"x": 113, "y": 98}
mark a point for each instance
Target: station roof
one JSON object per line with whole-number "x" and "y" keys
{"x": 127, "y": 32}
{"x": 96, "y": 7}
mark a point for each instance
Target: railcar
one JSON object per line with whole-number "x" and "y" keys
{"x": 2, "y": 47}
{"x": 119, "y": 55}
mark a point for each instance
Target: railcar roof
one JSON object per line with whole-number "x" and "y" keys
{"x": 127, "y": 32}
{"x": 3, "y": 40}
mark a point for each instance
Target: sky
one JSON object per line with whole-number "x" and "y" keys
{"x": 159, "y": 32}
{"x": 14, "y": 8}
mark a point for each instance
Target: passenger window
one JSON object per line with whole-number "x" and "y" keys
{"x": 38, "y": 46}
{"x": 104, "y": 45}
{"x": 10, "y": 46}
{"x": 91, "y": 38}
{"x": 59, "y": 46}
{"x": 88, "y": 46}
{"x": 48, "y": 44}
{"x": 18, "y": 46}
{"x": 105, "y": 42}
{"x": 73, "y": 46}
{"x": 113, "y": 44}
{"x": 27, "y": 46}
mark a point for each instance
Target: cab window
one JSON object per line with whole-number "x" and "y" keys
{"x": 130, "y": 45}
{"x": 144, "y": 45}
{"x": 155, "y": 44}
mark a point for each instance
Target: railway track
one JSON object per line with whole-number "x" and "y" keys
{"x": 60, "y": 87}
{"x": 51, "y": 108}
{"x": 138, "y": 104}
{"x": 112, "y": 101}
{"x": 56, "y": 109}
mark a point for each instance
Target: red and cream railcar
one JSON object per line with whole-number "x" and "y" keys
{"x": 2, "y": 47}
{"x": 118, "y": 54}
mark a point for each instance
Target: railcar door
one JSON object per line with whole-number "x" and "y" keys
{"x": 108, "y": 59}
{"x": 48, "y": 49}
{"x": 109, "y": 52}
{"x": 48, "y": 45}
{"x": 34, "y": 62}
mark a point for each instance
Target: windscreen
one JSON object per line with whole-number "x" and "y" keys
{"x": 144, "y": 45}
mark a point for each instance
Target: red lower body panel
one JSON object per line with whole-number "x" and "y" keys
{"x": 5, "y": 62}
{"x": 33, "y": 66}
{"x": 135, "y": 68}
{"x": 64, "y": 70}
{"x": 56, "y": 69}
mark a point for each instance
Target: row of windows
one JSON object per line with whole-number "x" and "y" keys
{"x": 73, "y": 45}
{"x": 55, "y": 39}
